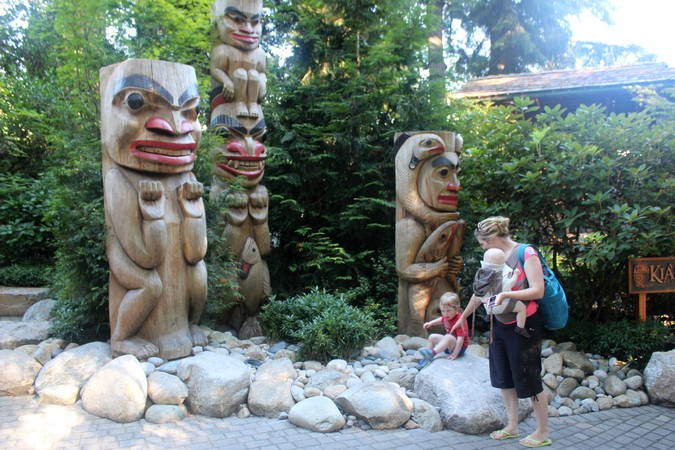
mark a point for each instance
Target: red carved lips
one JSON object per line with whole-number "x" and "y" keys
{"x": 171, "y": 153}
{"x": 448, "y": 199}
{"x": 245, "y": 37}
{"x": 239, "y": 163}
{"x": 247, "y": 166}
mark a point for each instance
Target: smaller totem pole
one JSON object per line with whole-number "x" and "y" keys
{"x": 154, "y": 214}
{"x": 237, "y": 61}
{"x": 429, "y": 233}
{"x": 238, "y": 80}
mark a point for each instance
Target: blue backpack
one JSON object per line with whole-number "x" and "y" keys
{"x": 553, "y": 305}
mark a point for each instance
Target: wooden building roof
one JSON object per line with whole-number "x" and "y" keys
{"x": 570, "y": 88}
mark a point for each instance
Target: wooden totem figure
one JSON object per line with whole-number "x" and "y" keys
{"x": 429, "y": 233}
{"x": 237, "y": 71}
{"x": 154, "y": 213}
{"x": 237, "y": 61}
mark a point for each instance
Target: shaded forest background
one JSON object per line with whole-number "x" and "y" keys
{"x": 591, "y": 189}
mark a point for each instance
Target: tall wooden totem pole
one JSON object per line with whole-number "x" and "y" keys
{"x": 238, "y": 88}
{"x": 429, "y": 233}
{"x": 154, "y": 214}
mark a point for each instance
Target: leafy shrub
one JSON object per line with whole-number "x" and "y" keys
{"x": 324, "y": 325}
{"x": 590, "y": 189}
{"x": 223, "y": 288}
{"x": 25, "y": 275}
{"x": 629, "y": 341}
{"x": 76, "y": 217}
{"x": 23, "y": 232}
{"x": 377, "y": 294}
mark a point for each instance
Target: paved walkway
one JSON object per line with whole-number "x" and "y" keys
{"x": 27, "y": 424}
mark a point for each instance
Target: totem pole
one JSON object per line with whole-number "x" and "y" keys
{"x": 429, "y": 233}
{"x": 238, "y": 82}
{"x": 154, "y": 214}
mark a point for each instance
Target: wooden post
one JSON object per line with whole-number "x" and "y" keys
{"x": 642, "y": 307}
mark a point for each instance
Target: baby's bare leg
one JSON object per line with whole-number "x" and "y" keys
{"x": 514, "y": 306}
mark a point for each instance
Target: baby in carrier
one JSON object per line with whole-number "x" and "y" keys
{"x": 489, "y": 281}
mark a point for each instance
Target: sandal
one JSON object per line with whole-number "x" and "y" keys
{"x": 533, "y": 443}
{"x": 500, "y": 435}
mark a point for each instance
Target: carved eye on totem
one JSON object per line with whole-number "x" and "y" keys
{"x": 192, "y": 113}
{"x": 135, "y": 101}
{"x": 444, "y": 172}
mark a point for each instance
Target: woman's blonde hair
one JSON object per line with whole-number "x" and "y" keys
{"x": 492, "y": 226}
{"x": 449, "y": 299}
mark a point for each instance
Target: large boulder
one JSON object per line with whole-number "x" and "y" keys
{"x": 217, "y": 384}
{"x": 40, "y": 311}
{"x": 270, "y": 392}
{"x": 166, "y": 389}
{"x": 118, "y": 391}
{"x": 317, "y": 414}
{"x": 461, "y": 389}
{"x": 165, "y": 413}
{"x": 576, "y": 360}
{"x": 426, "y": 416}
{"x": 381, "y": 404}
{"x": 14, "y": 301}
{"x": 387, "y": 348}
{"x": 61, "y": 379}
{"x": 17, "y": 373}
{"x": 659, "y": 378}
{"x": 15, "y": 334}
{"x": 326, "y": 378}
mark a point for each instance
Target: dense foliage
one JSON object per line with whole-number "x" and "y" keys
{"x": 324, "y": 324}
{"x": 609, "y": 339}
{"x": 592, "y": 190}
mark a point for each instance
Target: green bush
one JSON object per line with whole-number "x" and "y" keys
{"x": 222, "y": 266}
{"x": 25, "y": 275}
{"x": 629, "y": 341}
{"x": 324, "y": 325}
{"x": 24, "y": 234}
{"x": 590, "y": 189}
{"x": 378, "y": 294}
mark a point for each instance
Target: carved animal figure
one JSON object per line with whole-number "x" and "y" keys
{"x": 238, "y": 78}
{"x": 428, "y": 232}
{"x": 238, "y": 63}
{"x": 154, "y": 213}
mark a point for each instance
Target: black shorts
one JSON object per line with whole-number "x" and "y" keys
{"x": 515, "y": 361}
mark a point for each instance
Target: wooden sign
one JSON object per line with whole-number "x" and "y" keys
{"x": 650, "y": 276}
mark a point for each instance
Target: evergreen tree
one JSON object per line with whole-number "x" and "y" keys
{"x": 517, "y": 35}
{"x": 353, "y": 79}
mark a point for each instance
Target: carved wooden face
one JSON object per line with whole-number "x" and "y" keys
{"x": 438, "y": 181}
{"x": 239, "y": 22}
{"x": 149, "y": 115}
{"x": 243, "y": 156}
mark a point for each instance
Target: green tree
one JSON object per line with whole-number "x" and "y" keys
{"x": 55, "y": 49}
{"x": 517, "y": 35}
{"x": 352, "y": 80}
{"x": 591, "y": 189}
{"x": 598, "y": 54}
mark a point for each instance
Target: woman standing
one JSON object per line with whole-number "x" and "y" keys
{"x": 515, "y": 361}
